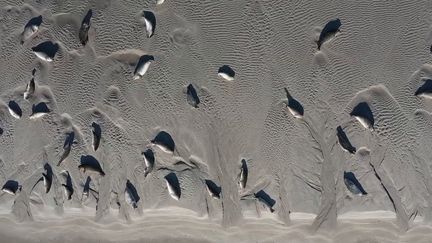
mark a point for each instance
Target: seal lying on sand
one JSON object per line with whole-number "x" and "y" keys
{"x": 344, "y": 141}
{"x": 329, "y": 30}
{"x": 142, "y": 66}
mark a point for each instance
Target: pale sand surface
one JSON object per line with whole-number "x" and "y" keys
{"x": 302, "y": 182}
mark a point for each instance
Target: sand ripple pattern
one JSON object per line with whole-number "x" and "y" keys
{"x": 380, "y": 56}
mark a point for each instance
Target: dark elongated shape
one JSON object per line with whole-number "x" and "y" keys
{"x": 295, "y": 108}
{"x": 67, "y": 146}
{"x": 243, "y": 176}
{"x": 85, "y": 26}
{"x": 353, "y": 184}
{"x": 11, "y": 187}
{"x": 192, "y": 96}
{"x": 149, "y": 160}
{"x": 15, "y": 109}
{"x": 97, "y": 134}
{"x": 363, "y": 113}
{"x": 329, "y": 30}
{"x": 46, "y": 50}
{"x": 164, "y": 141}
{"x": 344, "y": 141}
{"x": 213, "y": 190}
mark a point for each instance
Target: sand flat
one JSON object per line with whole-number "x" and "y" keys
{"x": 272, "y": 81}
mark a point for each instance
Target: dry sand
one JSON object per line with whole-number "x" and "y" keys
{"x": 111, "y": 143}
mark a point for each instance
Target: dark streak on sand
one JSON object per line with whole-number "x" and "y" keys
{"x": 344, "y": 141}
{"x": 97, "y": 134}
{"x": 192, "y": 96}
{"x": 67, "y": 146}
{"x": 90, "y": 163}
{"x": 329, "y": 30}
{"x": 149, "y": 161}
{"x": 353, "y": 184}
{"x": 68, "y": 186}
{"x": 213, "y": 189}
{"x": 85, "y": 26}
{"x": 152, "y": 19}
{"x": 15, "y": 108}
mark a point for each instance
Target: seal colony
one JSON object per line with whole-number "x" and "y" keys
{"x": 140, "y": 145}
